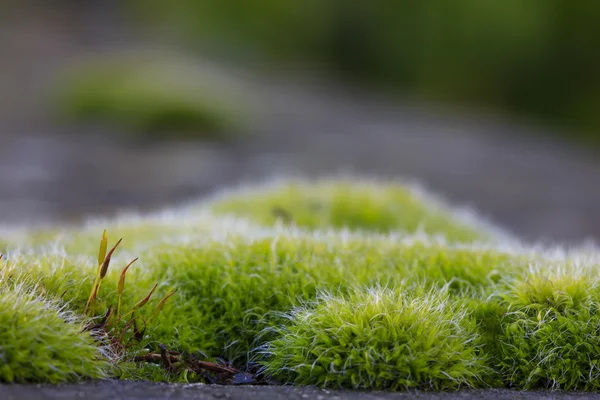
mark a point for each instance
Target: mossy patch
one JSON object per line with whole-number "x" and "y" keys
{"x": 356, "y": 204}
{"x": 239, "y": 288}
{"x": 41, "y": 342}
{"x": 380, "y": 339}
{"x": 142, "y": 94}
{"x": 419, "y": 296}
{"x": 550, "y": 332}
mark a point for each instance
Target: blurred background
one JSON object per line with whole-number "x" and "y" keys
{"x": 108, "y": 105}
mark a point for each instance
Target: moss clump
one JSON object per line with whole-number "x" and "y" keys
{"x": 354, "y": 204}
{"x": 231, "y": 293}
{"x": 453, "y": 304}
{"x": 380, "y": 339}
{"x": 147, "y": 95}
{"x": 40, "y": 342}
{"x": 551, "y": 333}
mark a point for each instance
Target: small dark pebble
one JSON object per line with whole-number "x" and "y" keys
{"x": 243, "y": 378}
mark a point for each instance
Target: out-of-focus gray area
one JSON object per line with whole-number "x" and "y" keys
{"x": 518, "y": 174}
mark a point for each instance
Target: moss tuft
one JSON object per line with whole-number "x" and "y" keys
{"x": 143, "y": 94}
{"x": 551, "y": 333}
{"x": 354, "y": 204}
{"x": 380, "y": 339}
{"x": 40, "y": 342}
{"x": 423, "y": 297}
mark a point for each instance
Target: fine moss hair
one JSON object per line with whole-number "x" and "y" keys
{"x": 41, "y": 342}
{"x": 550, "y": 332}
{"x": 357, "y": 204}
{"x": 381, "y": 286}
{"x": 380, "y": 339}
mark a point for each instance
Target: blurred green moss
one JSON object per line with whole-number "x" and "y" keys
{"x": 537, "y": 59}
{"x": 148, "y": 96}
{"x": 353, "y": 204}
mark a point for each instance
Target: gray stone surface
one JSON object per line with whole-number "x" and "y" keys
{"x": 114, "y": 390}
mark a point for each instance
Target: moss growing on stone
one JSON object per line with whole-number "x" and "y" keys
{"x": 418, "y": 295}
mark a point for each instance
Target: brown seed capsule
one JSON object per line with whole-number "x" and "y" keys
{"x": 142, "y": 302}
{"x": 106, "y": 262}
{"x": 161, "y": 303}
{"x": 121, "y": 285}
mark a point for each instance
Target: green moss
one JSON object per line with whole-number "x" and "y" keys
{"x": 147, "y": 95}
{"x": 454, "y": 306}
{"x": 143, "y": 372}
{"x": 551, "y": 333}
{"x": 231, "y": 292}
{"x": 139, "y": 232}
{"x": 380, "y": 339}
{"x": 41, "y": 343}
{"x": 353, "y": 204}
{"x": 514, "y": 57}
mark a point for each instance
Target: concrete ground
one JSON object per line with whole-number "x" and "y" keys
{"x": 143, "y": 391}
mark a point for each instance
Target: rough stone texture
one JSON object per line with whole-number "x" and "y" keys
{"x": 144, "y": 391}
